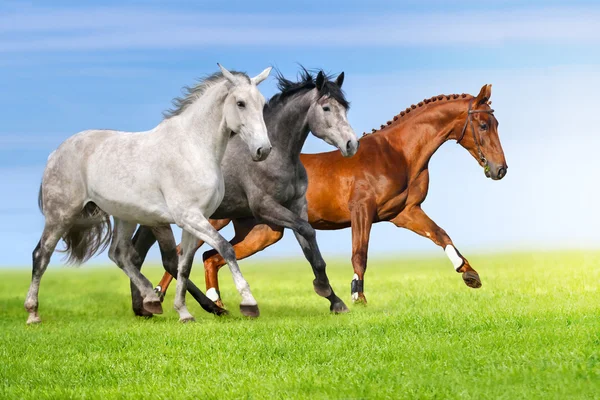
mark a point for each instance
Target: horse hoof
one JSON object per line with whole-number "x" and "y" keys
{"x": 220, "y": 304}
{"x": 323, "y": 290}
{"x": 249, "y": 311}
{"x": 221, "y": 312}
{"x": 33, "y": 319}
{"x": 359, "y": 299}
{"x": 185, "y": 320}
{"x": 153, "y": 307}
{"x": 142, "y": 313}
{"x": 218, "y": 309}
{"x": 214, "y": 308}
{"x": 471, "y": 279}
{"x": 339, "y": 308}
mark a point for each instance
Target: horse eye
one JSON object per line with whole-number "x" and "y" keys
{"x": 241, "y": 104}
{"x": 326, "y": 108}
{"x": 483, "y": 127}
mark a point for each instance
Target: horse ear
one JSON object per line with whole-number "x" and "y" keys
{"x": 227, "y": 74}
{"x": 320, "y": 80}
{"x": 262, "y": 76}
{"x": 340, "y": 79}
{"x": 484, "y": 94}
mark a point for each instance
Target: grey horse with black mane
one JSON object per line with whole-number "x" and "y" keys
{"x": 273, "y": 191}
{"x": 170, "y": 174}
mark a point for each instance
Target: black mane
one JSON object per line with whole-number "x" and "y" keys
{"x": 306, "y": 82}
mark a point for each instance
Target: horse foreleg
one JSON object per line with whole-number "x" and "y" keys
{"x": 164, "y": 283}
{"x": 196, "y": 224}
{"x": 415, "y": 219}
{"x": 296, "y": 218}
{"x": 249, "y": 239}
{"x": 362, "y": 212}
{"x": 170, "y": 258}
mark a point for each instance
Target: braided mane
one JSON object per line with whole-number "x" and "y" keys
{"x": 441, "y": 97}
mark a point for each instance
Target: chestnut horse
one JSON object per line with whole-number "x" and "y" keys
{"x": 387, "y": 180}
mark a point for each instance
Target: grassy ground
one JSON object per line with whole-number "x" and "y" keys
{"x": 532, "y": 331}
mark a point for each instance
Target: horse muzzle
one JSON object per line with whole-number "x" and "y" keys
{"x": 495, "y": 171}
{"x": 350, "y": 148}
{"x": 261, "y": 153}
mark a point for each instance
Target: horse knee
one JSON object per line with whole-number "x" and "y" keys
{"x": 307, "y": 231}
{"x": 359, "y": 261}
{"x": 228, "y": 253}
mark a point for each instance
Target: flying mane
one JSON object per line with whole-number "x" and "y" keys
{"x": 398, "y": 117}
{"x": 192, "y": 93}
{"x": 307, "y": 82}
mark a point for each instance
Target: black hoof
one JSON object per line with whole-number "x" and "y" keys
{"x": 339, "y": 307}
{"x": 142, "y": 313}
{"x": 249, "y": 311}
{"x": 218, "y": 311}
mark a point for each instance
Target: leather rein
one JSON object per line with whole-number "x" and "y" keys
{"x": 469, "y": 121}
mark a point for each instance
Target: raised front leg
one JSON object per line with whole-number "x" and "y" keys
{"x": 297, "y": 220}
{"x": 362, "y": 212}
{"x": 417, "y": 221}
{"x": 249, "y": 239}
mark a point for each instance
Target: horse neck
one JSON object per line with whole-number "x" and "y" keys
{"x": 290, "y": 122}
{"x": 201, "y": 127}
{"x": 419, "y": 135}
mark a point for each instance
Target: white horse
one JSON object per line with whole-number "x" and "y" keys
{"x": 171, "y": 174}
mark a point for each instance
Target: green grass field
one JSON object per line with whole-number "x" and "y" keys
{"x": 532, "y": 331}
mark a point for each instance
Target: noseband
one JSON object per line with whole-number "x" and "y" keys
{"x": 469, "y": 121}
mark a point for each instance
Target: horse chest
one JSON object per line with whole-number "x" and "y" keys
{"x": 286, "y": 184}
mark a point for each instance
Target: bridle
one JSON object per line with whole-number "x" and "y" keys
{"x": 469, "y": 121}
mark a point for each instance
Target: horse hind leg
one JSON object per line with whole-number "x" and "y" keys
{"x": 142, "y": 242}
{"x": 41, "y": 257}
{"x": 124, "y": 255}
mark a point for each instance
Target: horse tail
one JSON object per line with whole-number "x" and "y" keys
{"x": 91, "y": 233}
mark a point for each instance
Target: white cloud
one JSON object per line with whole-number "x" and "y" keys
{"x": 128, "y": 28}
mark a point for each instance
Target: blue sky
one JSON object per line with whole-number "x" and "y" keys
{"x": 69, "y": 66}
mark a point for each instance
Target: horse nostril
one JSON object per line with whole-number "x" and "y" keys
{"x": 501, "y": 172}
{"x": 262, "y": 152}
{"x": 350, "y": 146}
